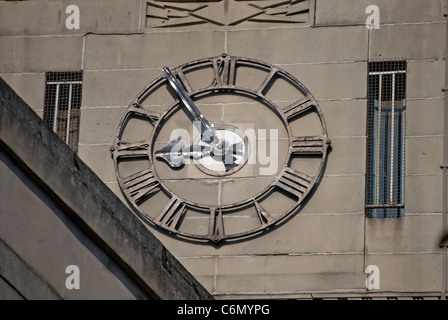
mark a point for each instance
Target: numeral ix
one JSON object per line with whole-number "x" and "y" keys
{"x": 130, "y": 149}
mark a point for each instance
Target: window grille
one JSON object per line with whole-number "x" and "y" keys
{"x": 63, "y": 92}
{"x": 386, "y": 118}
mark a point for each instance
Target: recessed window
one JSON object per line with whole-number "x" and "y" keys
{"x": 62, "y": 105}
{"x": 386, "y": 118}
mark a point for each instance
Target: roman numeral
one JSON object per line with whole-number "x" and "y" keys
{"x": 294, "y": 182}
{"x": 152, "y": 116}
{"x": 264, "y": 217}
{"x": 298, "y": 107}
{"x": 134, "y": 149}
{"x": 139, "y": 184}
{"x": 183, "y": 80}
{"x": 308, "y": 145}
{"x": 216, "y": 225}
{"x": 224, "y": 71}
{"x": 171, "y": 214}
{"x": 267, "y": 80}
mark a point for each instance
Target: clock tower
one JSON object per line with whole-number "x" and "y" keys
{"x": 276, "y": 148}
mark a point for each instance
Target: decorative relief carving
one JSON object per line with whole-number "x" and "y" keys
{"x": 174, "y": 13}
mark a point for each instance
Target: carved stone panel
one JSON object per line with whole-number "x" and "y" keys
{"x": 180, "y": 13}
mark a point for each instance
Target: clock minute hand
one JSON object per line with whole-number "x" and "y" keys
{"x": 203, "y": 125}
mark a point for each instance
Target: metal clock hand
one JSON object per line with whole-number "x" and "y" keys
{"x": 220, "y": 150}
{"x": 175, "y": 152}
{"x": 204, "y": 126}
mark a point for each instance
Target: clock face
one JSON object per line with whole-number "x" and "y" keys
{"x": 220, "y": 148}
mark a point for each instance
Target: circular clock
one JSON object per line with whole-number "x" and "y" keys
{"x": 220, "y": 148}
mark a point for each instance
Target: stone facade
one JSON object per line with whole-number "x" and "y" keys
{"x": 324, "y": 249}
{"x": 58, "y": 214}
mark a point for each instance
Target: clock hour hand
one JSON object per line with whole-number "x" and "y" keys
{"x": 206, "y": 129}
{"x": 175, "y": 153}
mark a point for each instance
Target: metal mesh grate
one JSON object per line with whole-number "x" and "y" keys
{"x": 63, "y": 92}
{"x": 386, "y": 111}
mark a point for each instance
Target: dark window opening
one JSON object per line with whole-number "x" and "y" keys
{"x": 63, "y": 92}
{"x": 386, "y": 118}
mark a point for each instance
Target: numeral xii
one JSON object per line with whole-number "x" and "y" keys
{"x": 224, "y": 71}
